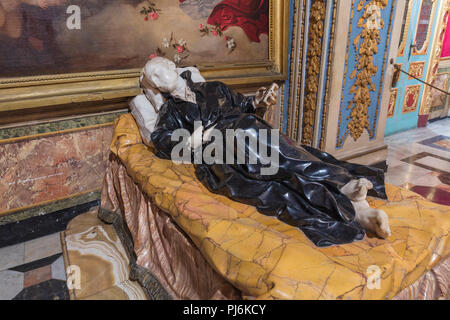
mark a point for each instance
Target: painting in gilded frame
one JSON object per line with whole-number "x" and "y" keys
{"x": 45, "y": 62}
{"x": 40, "y": 37}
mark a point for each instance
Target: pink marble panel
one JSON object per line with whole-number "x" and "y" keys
{"x": 43, "y": 169}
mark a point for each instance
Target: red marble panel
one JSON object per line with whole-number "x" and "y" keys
{"x": 47, "y": 168}
{"x": 37, "y": 276}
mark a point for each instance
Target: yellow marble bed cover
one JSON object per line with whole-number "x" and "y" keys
{"x": 268, "y": 259}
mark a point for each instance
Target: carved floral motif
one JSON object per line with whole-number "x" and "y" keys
{"x": 434, "y": 62}
{"x": 416, "y": 69}
{"x": 392, "y": 100}
{"x": 371, "y": 24}
{"x": 411, "y": 98}
{"x": 314, "y": 52}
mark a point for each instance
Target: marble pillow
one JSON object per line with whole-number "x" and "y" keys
{"x": 144, "y": 107}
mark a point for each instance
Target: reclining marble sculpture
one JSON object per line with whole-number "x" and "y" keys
{"x": 311, "y": 190}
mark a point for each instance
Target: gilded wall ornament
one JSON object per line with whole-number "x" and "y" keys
{"x": 406, "y": 19}
{"x": 392, "y": 101}
{"x": 371, "y": 24}
{"x": 421, "y": 47}
{"x": 434, "y": 60}
{"x": 327, "y": 85}
{"x": 411, "y": 98}
{"x": 313, "y": 59}
{"x": 296, "y": 34}
{"x": 416, "y": 69}
{"x": 438, "y": 98}
{"x": 396, "y": 75}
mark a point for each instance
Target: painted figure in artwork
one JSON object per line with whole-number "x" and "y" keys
{"x": 251, "y": 15}
{"x": 35, "y": 38}
{"x": 311, "y": 190}
{"x": 27, "y": 38}
{"x": 198, "y": 9}
{"x": 10, "y": 14}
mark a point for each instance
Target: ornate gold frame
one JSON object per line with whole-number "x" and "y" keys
{"x": 392, "y": 101}
{"x": 445, "y": 85}
{"x": 402, "y": 45}
{"x": 414, "y": 66}
{"x": 54, "y": 90}
{"x": 425, "y": 45}
{"x": 435, "y": 55}
{"x": 416, "y": 90}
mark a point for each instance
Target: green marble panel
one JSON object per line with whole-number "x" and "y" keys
{"x": 49, "y": 207}
{"x": 54, "y": 126}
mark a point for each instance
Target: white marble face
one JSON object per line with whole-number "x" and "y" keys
{"x": 162, "y": 74}
{"x": 159, "y": 75}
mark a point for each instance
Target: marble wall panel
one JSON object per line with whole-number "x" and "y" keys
{"x": 35, "y": 170}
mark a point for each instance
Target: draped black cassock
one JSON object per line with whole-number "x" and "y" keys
{"x": 303, "y": 193}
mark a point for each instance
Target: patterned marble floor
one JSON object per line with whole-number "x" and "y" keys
{"x": 93, "y": 251}
{"x": 36, "y": 269}
{"x": 33, "y": 270}
{"x": 32, "y": 265}
{"x": 419, "y": 160}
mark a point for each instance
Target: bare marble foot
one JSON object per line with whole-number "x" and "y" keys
{"x": 374, "y": 220}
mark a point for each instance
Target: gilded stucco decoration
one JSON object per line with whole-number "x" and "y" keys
{"x": 411, "y": 98}
{"x": 314, "y": 52}
{"x": 298, "y": 69}
{"x": 416, "y": 69}
{"x": 434, "y": 60}
{"x": 371, "y": 24}
{"x": 421, "y": 48}
{"x": 296, "y": 34}
{"x": 392, "y": 101}
{"x": 406, "y": 19}
{"x": 327, "y": 85}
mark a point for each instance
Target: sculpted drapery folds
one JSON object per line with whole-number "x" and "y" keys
{"x": 307, "y": 188}
{"x": 371, "y": 23}
{"x": 315, "y": 35}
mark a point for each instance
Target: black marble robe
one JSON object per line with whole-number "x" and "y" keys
{"x": 305, "y": 192}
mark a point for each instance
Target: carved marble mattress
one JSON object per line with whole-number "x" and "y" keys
{"x": 201, "y": 245}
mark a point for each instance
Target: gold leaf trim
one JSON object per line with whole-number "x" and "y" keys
{"x": 434, "y": 60}
{"x": 313, "y": 59}
{"x": 370, "y": 36}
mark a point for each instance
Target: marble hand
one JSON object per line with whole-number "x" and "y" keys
{"x": 264, "y": 97}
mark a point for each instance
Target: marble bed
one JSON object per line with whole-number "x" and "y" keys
{"x": 185, "y": 242}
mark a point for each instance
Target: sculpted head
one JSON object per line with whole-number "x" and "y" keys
{"x": 161, "y": 73}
